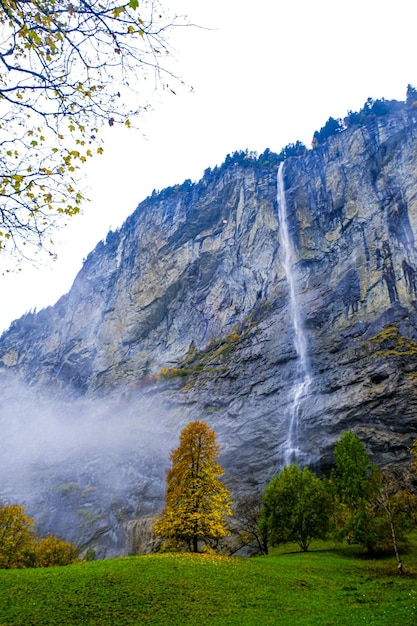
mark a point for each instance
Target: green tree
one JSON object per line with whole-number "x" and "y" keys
{"x": 411, "y": 96}
{"x": 331, "y": 127}
{"x": 16, "y": 537}
{"x": 353, "y": 472}
{"x": 66, "y": 68}
{"x": 196, "y": 501}
{"x": 355, "y": 484}
{"x": 292, "y": 149}
{"x": 296, "y": 507}
{"x": 370, "y": 508}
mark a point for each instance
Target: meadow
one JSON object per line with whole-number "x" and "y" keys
{"x": 326, "y": 586}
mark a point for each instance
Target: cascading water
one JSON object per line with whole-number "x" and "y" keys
{"x": 291, "y": 448}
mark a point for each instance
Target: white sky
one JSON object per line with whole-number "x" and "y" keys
{"x": 268, "y": 73}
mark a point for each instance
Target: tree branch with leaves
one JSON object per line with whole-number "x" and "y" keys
{"x": 67, "y": 69}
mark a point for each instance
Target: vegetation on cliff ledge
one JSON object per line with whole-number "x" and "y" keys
{"x": 390, "y": 342}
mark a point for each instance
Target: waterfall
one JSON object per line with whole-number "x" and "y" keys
{"x": 291, "y": 448}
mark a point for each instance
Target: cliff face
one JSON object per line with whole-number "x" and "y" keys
{"x": 193, "y": 285}
{"x": 183, "y": 269}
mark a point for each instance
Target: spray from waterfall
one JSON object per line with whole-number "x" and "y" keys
{"x": 291, "y": 448}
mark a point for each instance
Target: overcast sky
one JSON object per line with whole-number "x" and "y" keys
{"x": 264, "y": 74}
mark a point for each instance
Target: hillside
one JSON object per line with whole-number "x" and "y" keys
{"x": 315, "y": 588}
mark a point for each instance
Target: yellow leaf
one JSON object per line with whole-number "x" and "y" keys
{"x": 118, "y": 11}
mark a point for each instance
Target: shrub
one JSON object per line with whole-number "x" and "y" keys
{"x": 51, "y": 551}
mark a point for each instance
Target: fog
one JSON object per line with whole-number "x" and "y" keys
{"x": 84, "y": 468}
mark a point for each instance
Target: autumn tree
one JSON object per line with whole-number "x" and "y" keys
{"x": 20, "y": 547}
{"x": 296, "y": 507}
{"x": 52, "y": 551}
{"x": 16, "y": 537}
{"x": 196, "y": 501}
{"x": 67, "y": 68}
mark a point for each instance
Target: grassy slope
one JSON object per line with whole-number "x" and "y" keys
{"x": 319, "y": 587}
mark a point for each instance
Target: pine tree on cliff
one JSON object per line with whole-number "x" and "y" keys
{"x": 196, "y": 501}
{"x": 411, "y": 97}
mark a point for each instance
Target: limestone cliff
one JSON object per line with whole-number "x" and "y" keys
{"x": 183, "y": 313}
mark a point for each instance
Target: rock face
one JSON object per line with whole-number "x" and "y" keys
{"x": 183, "y": 313}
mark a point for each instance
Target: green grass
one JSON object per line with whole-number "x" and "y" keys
{"x": 323, "y": 587}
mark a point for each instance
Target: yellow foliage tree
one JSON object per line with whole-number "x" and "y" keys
{"x": 67, "y": 68}
{"x": 196, "y": 501}
{"x": 52, "y": 551}
{"x": 20, "y": 548}
{"x": 16, "y": 537}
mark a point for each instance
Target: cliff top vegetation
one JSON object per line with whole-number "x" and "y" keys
{"x": 371, "y": 110}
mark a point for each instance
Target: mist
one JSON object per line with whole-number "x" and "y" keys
{"x": 84, "y": 468}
